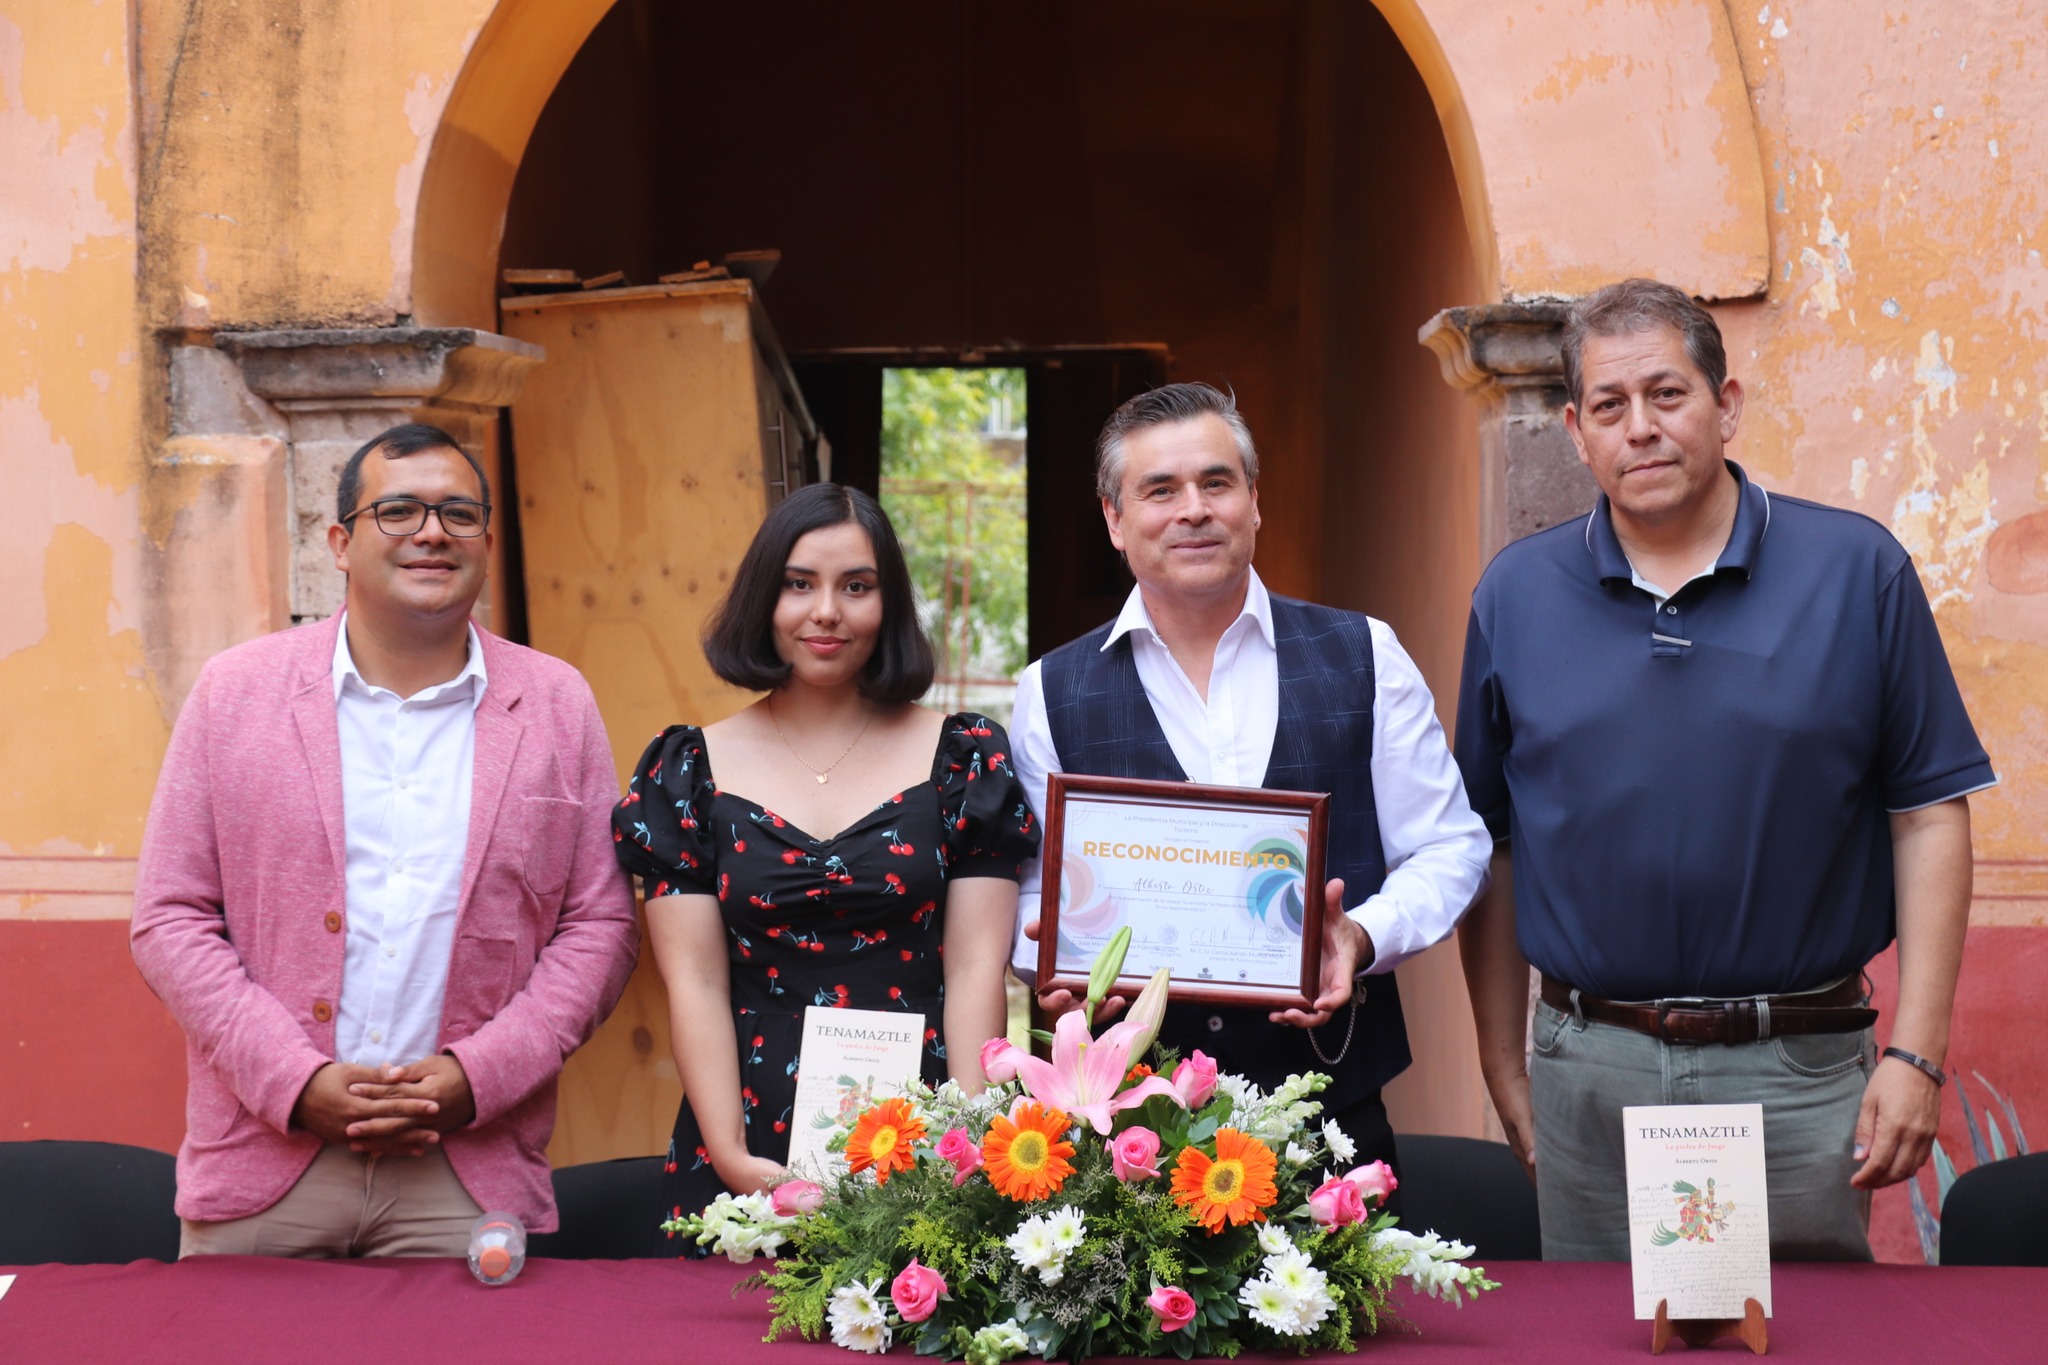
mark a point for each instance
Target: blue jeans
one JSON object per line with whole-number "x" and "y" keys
{"x": 1582, "y": 1073}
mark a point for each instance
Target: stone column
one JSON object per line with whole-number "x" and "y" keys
{"x": 337, "y": 387}
{"x": 1507, "y": 357}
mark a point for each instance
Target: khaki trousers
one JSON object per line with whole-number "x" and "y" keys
{"x": 1811, "y": 1085}
{"x": 351, "y": 1205}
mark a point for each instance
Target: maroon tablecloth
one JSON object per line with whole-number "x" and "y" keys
{"x": 234, "y": 1309}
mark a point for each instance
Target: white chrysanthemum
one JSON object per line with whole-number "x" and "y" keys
{"x": 1297, "y": 1155}
{"x": 1270, "y": 1306}
{"x": 856, "y": 1318}
{"x": 1032, "y": 1244}
{"x": 1272, "y": 1241}
{"x": 1341, "y": 1145}
{"x": 869, "y": 1338}
{"x": 1296, "y": 1274}
{"x": 1310, "y": 1310}
{"x": 1067, "y": 1228}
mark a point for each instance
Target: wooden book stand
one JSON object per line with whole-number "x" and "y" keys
{"x": 1751, "y": 1328}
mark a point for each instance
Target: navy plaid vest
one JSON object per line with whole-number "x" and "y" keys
{"x": 1102, "y": 724}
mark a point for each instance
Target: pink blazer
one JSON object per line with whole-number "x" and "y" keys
{"x": 240, "y": 908}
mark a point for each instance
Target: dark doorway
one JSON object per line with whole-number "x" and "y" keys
{"x": 1077, "y": 579}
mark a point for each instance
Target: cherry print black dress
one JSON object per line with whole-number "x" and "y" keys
{"x": 853, "y": 921}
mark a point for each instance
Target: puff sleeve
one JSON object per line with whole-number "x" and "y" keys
{"x": 658, "y": 830}
{"x": 990, "y": 830}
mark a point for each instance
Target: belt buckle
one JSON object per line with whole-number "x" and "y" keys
{"x": 1702, "y": 1004}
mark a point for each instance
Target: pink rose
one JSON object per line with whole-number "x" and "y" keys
{"x": 1175, "y": 1308}
{"x": 1194, "y": 1080}
{"x": 1134, "y": 1154}
{"x": 1335, "y": 1203}
{"x": 1374, "y": 1181}
{"x": 999, "y": 1060}
{"x": 957, "y": 1147}
{"x": 794, "y": 1198}
{"x": 917, "y": 1291}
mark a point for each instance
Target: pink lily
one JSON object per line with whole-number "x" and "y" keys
{"x": 1084, "y": 1074}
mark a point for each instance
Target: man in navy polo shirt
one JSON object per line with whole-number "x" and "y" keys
{"x": 1717, "y": 738}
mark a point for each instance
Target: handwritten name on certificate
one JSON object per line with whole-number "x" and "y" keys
{"x": 848, "y": 1059}
{"x": 1698, "y": 1215}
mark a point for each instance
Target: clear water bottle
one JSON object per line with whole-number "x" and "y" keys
{"x": 497, "y": 1248}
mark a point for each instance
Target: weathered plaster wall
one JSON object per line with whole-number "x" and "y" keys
{"x": 1544, "y": 105}
{"x": 283, "y": 148}
{"x": 83, "y": 729}
{"x": 1899, "y": 367}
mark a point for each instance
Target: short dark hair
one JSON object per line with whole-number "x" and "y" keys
{"x": 1163, "y": 406}
{"x": 1638, "y": 305}
{"x": 739, "y": 640}
{"x": 409, "y": 438}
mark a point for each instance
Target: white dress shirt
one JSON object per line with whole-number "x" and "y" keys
{"x": 1437, "y": 850}
{"x": 406, "y": 765}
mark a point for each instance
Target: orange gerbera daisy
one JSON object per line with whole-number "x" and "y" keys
{"x": 1236, "y": 1185}
{"x": 1025, "y": 1155}
{"x": 883, "y": 1138}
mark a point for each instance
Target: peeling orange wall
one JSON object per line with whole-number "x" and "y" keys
{"x": 72, "y": 585}
{"x": 1898, "y": 365}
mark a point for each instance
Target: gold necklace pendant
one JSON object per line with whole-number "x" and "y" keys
{"x": 823, "y": 775}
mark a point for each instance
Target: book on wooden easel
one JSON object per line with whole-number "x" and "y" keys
{"x": 1699, "y": 1221}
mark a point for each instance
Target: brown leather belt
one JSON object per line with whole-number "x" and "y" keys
{"x": 1840, "y": 1009}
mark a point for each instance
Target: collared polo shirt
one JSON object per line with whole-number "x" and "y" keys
{"x": 1697, "y": 790}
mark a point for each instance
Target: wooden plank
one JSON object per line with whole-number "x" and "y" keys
{"x": 536, "y": 302}
{"x": 641, "y": 483}
{"x": 545, "y": 278}
{"x": 605, "y": 280}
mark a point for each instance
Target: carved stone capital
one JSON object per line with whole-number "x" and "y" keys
{"x": 1509, "y": 357}
{"x": 1509, "y": 344}
{"x": 407, "y": 364}
{"x": 336, "y": 387}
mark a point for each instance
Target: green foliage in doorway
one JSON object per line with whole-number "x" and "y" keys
{"x": 953, "y": 482}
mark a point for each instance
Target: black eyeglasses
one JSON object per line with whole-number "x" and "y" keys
{"x": 406, "y": 516}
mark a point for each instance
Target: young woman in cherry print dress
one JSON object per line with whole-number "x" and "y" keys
{"x": 832, "y": 844}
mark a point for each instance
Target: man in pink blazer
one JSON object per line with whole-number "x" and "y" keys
{"x": 377, "y": 891}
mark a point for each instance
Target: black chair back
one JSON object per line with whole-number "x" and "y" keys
{"x": 86, "y": 1203}
{"x": 1469, "y": 1191}
{"x": 609, "y": 1210}
{"x": 1994, "y": 1214}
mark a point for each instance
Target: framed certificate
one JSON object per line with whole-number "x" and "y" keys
{"x": 1223, "y": 885}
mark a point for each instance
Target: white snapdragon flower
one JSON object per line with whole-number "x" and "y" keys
{"x": 997, "y": 1342}
{"x": 857, "y": 1319}
{"x": 1433, "y": 1265}
{"x": 1341, "y": 1145}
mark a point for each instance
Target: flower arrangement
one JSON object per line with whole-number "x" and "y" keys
{"x": 1088, "y": 1206}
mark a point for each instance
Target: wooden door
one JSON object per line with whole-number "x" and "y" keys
{"x": 642, "y": 477}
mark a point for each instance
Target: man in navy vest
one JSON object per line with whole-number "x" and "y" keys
{"x": 1206, "y": 677}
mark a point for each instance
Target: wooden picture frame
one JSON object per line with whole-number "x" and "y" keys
{"x": 1186, "y": 867}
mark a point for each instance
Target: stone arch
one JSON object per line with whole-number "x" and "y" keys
{"x": 1650, "y": 97}
{"x": 513, "y": 66}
